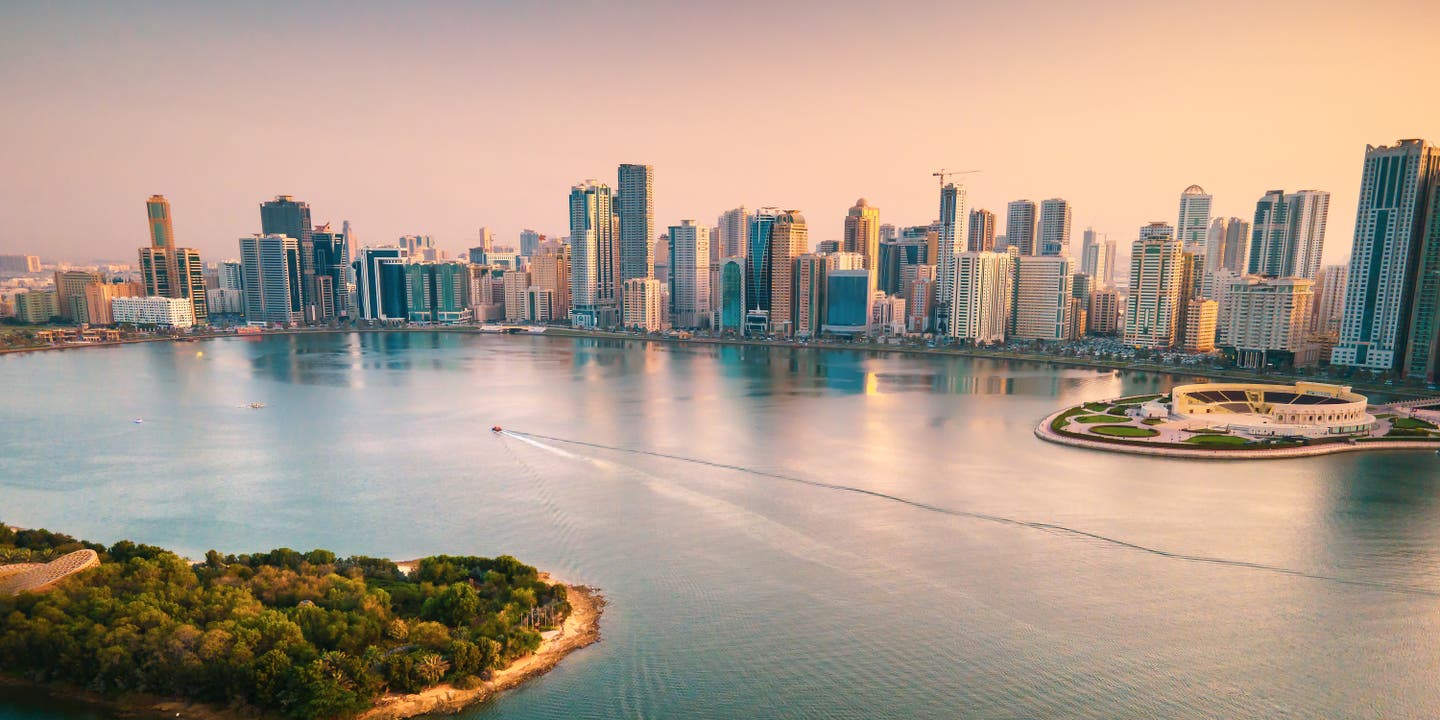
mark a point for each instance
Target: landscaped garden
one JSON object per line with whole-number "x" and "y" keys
{"x": 1124, "y": 431}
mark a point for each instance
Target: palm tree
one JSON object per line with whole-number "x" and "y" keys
{"x": 431, "y": 668}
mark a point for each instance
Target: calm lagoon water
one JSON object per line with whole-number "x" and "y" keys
{"x": 737, "y": 593}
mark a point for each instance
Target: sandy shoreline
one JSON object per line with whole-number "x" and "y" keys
{"x": 581, "y": 629}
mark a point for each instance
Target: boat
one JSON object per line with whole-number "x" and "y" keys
{"x": 497, "y": 429}
{"x": 137, "y": 421}
{"x": 256, "y": 405}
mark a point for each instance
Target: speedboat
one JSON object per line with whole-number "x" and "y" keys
{"x": 496, "y": 429}
{"x": 137, "y": 421}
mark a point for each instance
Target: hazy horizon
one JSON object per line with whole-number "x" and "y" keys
{"x": 438, "y": 118}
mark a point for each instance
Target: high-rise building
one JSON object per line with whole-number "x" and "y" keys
{"x": 1385, "y": 260}
{"x": 530, "y": 242}
{"x": 1265, "y": 320}
{"x": 636, "y": 210}
{"x": 1054, "y": 227}
{"x": 847, "y": 301}
{"x": 1095, "y": 258}
{"x": 289, "y": 217}
{"x": 734, "y": 236}
{"x": 862, "y": 235}
{"x": 98, "y": 297}
{"x": 810, "y": 273}
{"x": 731, "y": 313}
{"x": 1152, "y": 309}
{"x": 789, "y": 239}
{"x": 1289, "y": 233}
{"x": 487, "y": 239}
{"x": 983, "y": 294}
{"x": 642, "y": 304}
{"x": 435, "y": 292}
{"x": 594, "y": 276}
{"x": 758, "y": 274}
{"x": 380, "y": 283}
{"x": 1329, "y": 300}
{"x": 1227, "y": 246}
{"x": 20, "y": 264}
{"x": 689, "y": 274}
{"x": 515, "y": 283}
{"x": 952, "y": 235}
{"x": 169, "y": 271}
{"x": 982, "y": 231}
{"x": 919, "y": 297}
{"x": 485, "y": 294}
{"x": 271, "y": 268}
{"x": 888, "y": 314}
{"x": 1200, "y": 319}
{"x": 330, "y": 254}
{"x": 1022, "y": 227}
{"x": 550, "y": 272}
{"x": 1041, "y": 309}
{"x": 231, "y": 275}
{"x": 1192, "y": 227}
{"x": 1103, "y": 315}
{"x": 36, "y": 307}
{"x": 70, "y": 293}
{"x": 1422, "y": 357}
{"x": 539, "y": 305}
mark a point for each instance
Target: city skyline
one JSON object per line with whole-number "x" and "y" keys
{"x": 495, "y": 145}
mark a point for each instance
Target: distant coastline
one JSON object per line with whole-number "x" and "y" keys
{"x": 1394, "y": 392}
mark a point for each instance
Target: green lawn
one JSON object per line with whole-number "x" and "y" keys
{"x": 1412, "y": 424}
{"x": 1101, "y": 419}
{"x": 1063, "y": 419}
{"x": 1230, "y": 440}
{"x": 1125, "y": 431}
{"x": 1097, "y": 407}
{"x": 1208, "y": 431}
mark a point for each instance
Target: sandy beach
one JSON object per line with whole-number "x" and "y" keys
{"x": 580, "y": 630}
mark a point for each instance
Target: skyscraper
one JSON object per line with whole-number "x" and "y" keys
{"x": 810, "y": 273}
{"x": 982, "y": 231}
{"x": 642, "y": 304}
{"x": 1227, "y": 246}
{"x": 1041, "y": 310}
{"x": 550, "y": 272}
{"x": 594, "y": 278}
{"x": 1289, "y": 233}
{"x": 690, "y": 274}
{"x": 286, "y": 216}
{"x": 70, "y": 293}
{"x": 1192, "y": 227}
{"x": 1265, "y": 320}
{"x": 271, "y": 266}
{"x": 1422, "y": 358}
{"x": 862, "y": 235}
{"x": 951, "y": 237}
{"x": 1155, "y": 276}
{"x": 636, "y": 211}
{"x": 330, "y": 253}
{"x": 169, "y": 271}
{"x": 731, "y": 313}
{"x": 380, "y": 283}
{"x": 1390, "y": 224}
{"x": 789, "y": 239}
{"x": 1329, "y": 300}
{"x": 1022, "y": 226}
{"x": 530, "y": 242}
{"x": 1095, "y": 259}
{"x": 983, "y": 293}
{"x": 1055, "y": 220}
{"x": 734, "y": 233}
{"x": 758, "y": 278}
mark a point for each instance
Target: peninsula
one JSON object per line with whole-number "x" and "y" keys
{"x": 280, "y": 633}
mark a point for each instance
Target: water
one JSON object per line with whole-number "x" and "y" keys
{"x": 738, "y": 591}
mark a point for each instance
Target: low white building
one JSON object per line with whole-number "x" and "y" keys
{"x": 153, "y": 311}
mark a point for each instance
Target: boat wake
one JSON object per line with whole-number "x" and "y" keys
{"x": 536, "y": 438}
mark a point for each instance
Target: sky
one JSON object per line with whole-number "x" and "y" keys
{"x": 439, "y": 118}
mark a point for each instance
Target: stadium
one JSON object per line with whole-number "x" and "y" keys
{"x": 1303, "y": 409}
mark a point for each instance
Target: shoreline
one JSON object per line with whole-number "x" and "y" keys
{"x": 580, "y": 630}
{"x": 1392, "y": 392}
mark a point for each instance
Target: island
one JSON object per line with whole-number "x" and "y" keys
{"x": 1244, "y": 421}
{"x": 280, "y": 633}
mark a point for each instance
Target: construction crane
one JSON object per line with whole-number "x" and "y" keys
{"x": 943, "y": 173}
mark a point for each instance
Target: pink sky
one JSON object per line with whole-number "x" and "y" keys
{"x": 438, "y": 118}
